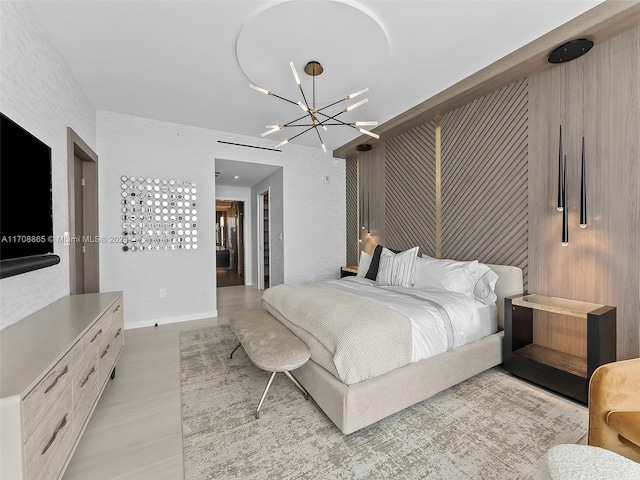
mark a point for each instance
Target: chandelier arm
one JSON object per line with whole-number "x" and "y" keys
{"x": 333, "y": 117}
{"x": 304, "y": 131}
{"x": 304, "y": 97}
{"x": 282, "y": 98}
{"x": 289, "y": 124}
{"x": 332, "y": 104}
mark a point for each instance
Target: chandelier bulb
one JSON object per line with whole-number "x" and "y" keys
{"x": 356, "y": 105}
{"x": 361, "y": 124}
{"x": 302, "y": 106}
{"x": 295, "y": 74}
{"x": 282, "y": 143}
{"x": 260, "y": 89}
{"x": 359, "y": 92}
{"x": 273, "y": 130}
{"x": 324, "y": 148}
{"x": 325, "y": 127}
{"x": 367, "y": 132}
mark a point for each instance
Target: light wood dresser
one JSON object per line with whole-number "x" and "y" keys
{"x": 54, "y": 366}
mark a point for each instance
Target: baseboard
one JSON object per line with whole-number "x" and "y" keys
{"x": 168, "y": 320}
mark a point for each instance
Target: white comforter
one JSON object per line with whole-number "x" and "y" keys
{"x": 440, "y": 320}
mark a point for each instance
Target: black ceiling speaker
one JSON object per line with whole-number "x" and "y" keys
{"x": 363, "y": 147}
{"x": 570, "y": 50}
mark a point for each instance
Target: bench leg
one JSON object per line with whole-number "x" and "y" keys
{"x": 273, "y": 374}
{"x": 234, "y": 350}
{"x": 293, "y": 379}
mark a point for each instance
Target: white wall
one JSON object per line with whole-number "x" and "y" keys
{"x": 314, "y": 213}
{"x": 274, "y": 185}
{"x": 241, "y": 194}
{"x": 39, "y": 93}
{"x": 146, "y": 148}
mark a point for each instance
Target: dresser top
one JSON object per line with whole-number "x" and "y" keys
{"x": 30, "y": 347}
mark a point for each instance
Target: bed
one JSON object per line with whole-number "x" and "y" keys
{"x": 348, "y": 377}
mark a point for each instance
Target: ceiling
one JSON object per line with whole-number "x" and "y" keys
{"x": 241, "y": 174}
{"x": 191, "y": 62}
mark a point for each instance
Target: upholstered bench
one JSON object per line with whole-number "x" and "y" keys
{"x": 269, "y": 345}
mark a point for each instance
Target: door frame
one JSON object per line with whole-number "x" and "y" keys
{"x": 76, "y": 147}
{"x": 260, "y": 236}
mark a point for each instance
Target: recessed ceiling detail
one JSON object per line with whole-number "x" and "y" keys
{"x": 351, "y": 44}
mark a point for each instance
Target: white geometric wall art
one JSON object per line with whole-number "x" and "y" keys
{"x": 158, "y": 214}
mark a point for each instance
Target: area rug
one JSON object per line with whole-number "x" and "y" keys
{"x": 490, "y": 426}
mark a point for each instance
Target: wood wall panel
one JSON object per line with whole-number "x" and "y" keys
{"x": 484, "y": 179}
{"x": 352, "y": 210}
{"x": 595, "y": 96}
{"x": 410, "y": 190}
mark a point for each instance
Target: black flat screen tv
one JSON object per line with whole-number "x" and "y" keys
{"x": 26, "y": 208}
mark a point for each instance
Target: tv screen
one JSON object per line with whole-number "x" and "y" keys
{"x": 26, "y": 220}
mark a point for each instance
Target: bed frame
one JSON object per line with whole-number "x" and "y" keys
{"x": 352, "y": 407}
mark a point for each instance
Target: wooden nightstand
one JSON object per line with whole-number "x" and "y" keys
{"x": 558, "y": 343}
{"x": 348, "y": 271}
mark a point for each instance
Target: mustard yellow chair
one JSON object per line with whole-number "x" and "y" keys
{"x": 614, "y": 408}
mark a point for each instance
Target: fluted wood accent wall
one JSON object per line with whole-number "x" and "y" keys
{"x": 597, "y": 96}
{"x": 484, "y": 179}
{"x": 410, "y": 190}
{"x": 352, "y": 210}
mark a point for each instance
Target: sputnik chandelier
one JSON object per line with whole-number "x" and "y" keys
{"x": 316, "y": 116}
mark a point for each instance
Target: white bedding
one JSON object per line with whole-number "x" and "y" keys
{"x": 440, "y": 320}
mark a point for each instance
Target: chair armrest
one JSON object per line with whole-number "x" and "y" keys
{"x": 614, "y": 386}
{"x": 627, "y": 424}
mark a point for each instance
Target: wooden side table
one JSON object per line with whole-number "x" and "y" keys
{"x": 348, "y": 271}
{"x": 558, "y": 343}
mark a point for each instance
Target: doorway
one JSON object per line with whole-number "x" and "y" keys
{"x": 82, "y": 170}
{"x": 264, "y": 241}
{"x": 230, "y": 261}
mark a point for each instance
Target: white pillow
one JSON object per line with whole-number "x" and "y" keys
{"x": 485, "y": 285}
{"x": 452, "y": 275}
{"x": 397, "y": 269}
{"x": 365, "y": 262}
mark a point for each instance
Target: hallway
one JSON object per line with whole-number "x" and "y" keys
{"x": 226, "y": 277}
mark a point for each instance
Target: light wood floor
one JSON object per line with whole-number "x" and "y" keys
{"x": 135, "y": 431}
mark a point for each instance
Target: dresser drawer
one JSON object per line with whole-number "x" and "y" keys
{"x": 85, "y": 388}
{"x": 107, "y": 349}
{"x": 98, "y": 331}
{"x": 91, "y": 339}
{"x": 113, "y": 313}
{"x": 39, "y": 401}
{"x": 47, "y": 450}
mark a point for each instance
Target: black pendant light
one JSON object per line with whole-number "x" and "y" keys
{"x": 583, "y": 192}
{"x": 565, "y": 226}
{"x": 560, "y": 175}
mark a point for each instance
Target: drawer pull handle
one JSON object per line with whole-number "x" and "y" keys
{"x": 84, "y": 382}
{"x": 64, "y": 372}
{"x": 105, "y": 351}
{"x": 96, "y": 335}
{"x": 118, "y": 333}
{"x": 116, "y": 309}
{"x": 55, "y": 434}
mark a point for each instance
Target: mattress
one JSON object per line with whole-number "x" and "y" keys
{"x": 440, "y": 321}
